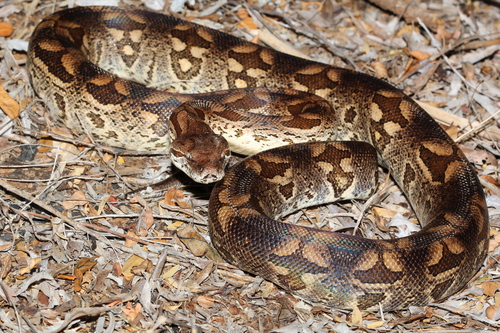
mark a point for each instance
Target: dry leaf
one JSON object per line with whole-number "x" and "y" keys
{"x": 86, "y": 264}
{"x": 376, "y": 324}
{"x": 468, "y": 70}
{"x": 8, "y": 104}
{"x": 491, "y": 311}
{"x": 357, "y": 316}
{"x": 146, "y": 219}
{"x": 490, "y": 287}
{"x": 175, "y": 225}
{"x": 382, "y": 216}
{"x": 175, "y": 197}
{"x": 77, "y": 283}
{"x": 42, "y": 298}
{"x": 48, "y": 141}
{"x": 117, "y": 269}
{"x": 145, "y": 266}
{"x": 131, "y": 262}
{"x": 32, "y": 263}
{"x": 132, "y": 312}
{"x": 83, "y": 266}
{"x": 5, "y": 247}
{"x": 452, "y": 131}
{"x": 380, "y": 69}
{"x": 419, "y": 55}
{"x": 479, "y": 157}
{"x": 77, "y": 199}
{"x": 6, "y": 29}
{"x": 171, "y": 272}
{"x": 107, "y": 157}
{"x": 494, "y": 243}
{"x": 242, "y": 14}
{"x": 129, "y": 241}
{"x": 205, "y": 302}
{"x": 193, "y": 241}
{"x": 248, "y": 23}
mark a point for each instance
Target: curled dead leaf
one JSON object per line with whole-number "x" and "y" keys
{"x": 492, "y": 311}
{"x": 174, "y": 197}
{"x": 205, "y": 302}
{"x": 490, "y": 287}
{"x": 6, "y": 29}
{"x": 9, "y": 105}
{"x": 77, "y": 199}
{"x": 419, "y": 55}
{"x": 193, "y": 241}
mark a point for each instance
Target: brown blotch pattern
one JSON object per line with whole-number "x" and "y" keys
{"x": 436, "y": 177}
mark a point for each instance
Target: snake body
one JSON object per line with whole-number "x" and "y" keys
{"x": 72, "y": 53}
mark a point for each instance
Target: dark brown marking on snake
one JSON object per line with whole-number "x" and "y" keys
{"x": 440, "y": 289}
{"x": 105, "y": 94}
{"x": 438, "y": 165}
{"x": 370, "y": 299}
{"x": 350, "y": 115}
{"x": 124, "y": 22}
{"x": 303, "y": 123}
{"x": 61, "y": 103}
{"x": 387, "y": 105}
{"x": 96, "y": 119}
{"x": 409, "y": 174}
{"x": 378, "y": 269}
{"x": 316, "y": 81}
{"x": 272, "y": 169}
{"x": 287, "y": 190}
{"x": 53, "y": 61}
{"x": 448, "y": 261}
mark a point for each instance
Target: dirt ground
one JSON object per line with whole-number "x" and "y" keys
{"x": 80, "y": 253}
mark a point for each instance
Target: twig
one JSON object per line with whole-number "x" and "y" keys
{"x": 410, "y": 11}
{"x": 479, "y": 128}
{"x": 468, "y": 314}
{"x": 78, "y": 226}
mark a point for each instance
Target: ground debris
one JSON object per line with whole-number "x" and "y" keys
{"x": 77, "y": 253}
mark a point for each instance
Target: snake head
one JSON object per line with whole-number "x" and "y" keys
{"x": 202, "y": 157}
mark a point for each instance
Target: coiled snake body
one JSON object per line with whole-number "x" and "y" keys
{"x": 72, "y": 51}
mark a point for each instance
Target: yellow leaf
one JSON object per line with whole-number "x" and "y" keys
{"x": 8, "y": 104}
{"x": 86, "y": 264}
{"x": 489, "y": 287}
{"x": 376, "y": 324}
{"x": 357, "y": 317}
{"x": 171, "y": 272}
{"x": 131, "y": 262}
{"x": 175, "y": 225}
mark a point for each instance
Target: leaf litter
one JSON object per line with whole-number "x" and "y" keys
{"x": 77, "y": 254}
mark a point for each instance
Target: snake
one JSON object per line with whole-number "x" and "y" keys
{"x": 135, "y": 79}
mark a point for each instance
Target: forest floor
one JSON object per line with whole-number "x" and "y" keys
{"x": 79, "y": 255}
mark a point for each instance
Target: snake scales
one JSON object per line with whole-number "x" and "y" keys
{"x": 71, "y": 56}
